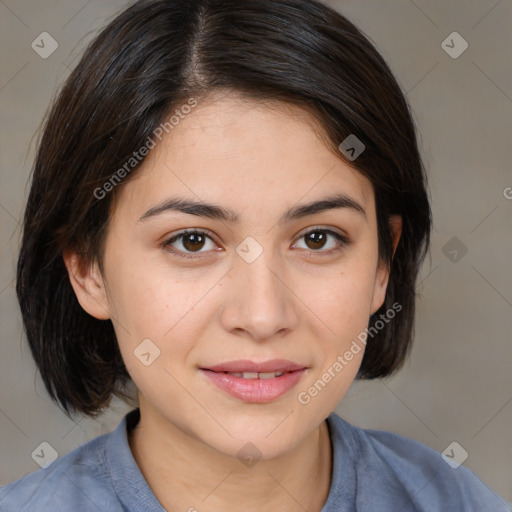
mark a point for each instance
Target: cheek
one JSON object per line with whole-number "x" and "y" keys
{"x": 156, "y": 327}
{"x": 343, "y": 299}
{"x": 150, "y": 302}
{"x": 344, "y": 308}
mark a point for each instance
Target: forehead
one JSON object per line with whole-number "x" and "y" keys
{"x": 244, "y": 151}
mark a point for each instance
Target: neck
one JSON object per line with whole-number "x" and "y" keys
{"x": 186, "y": 474}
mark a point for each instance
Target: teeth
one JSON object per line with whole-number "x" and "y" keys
{"x": 256, "y": 375}
{"x": 270, "y": 375}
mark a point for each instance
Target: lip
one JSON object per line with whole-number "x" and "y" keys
{"x": 272, "y": 365}
{"x": 255, "y": 390}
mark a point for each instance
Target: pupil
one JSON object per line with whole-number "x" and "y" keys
{"x": 193, "y": 241}
{"x": 317, "y": 239}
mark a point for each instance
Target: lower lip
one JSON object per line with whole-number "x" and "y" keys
{"x": 255, "y": 390}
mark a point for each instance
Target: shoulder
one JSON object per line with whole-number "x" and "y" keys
{"x": 78, "y": 481}
{"x": 412, "y": 473}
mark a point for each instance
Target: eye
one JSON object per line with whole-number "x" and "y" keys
{"x": 323, "y": 241}
{"x": 188, "y": 242}
{"x": 317, "y": 240}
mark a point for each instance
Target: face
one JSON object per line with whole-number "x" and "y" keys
{"x": 255, "y": 284}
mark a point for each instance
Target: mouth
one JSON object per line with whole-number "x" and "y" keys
{"x": 255, "y": 382}
{"x": 255, "y": 375}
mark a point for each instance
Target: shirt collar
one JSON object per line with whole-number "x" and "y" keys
{"x": 135, "y": 494}
{"x": 130, "y": 485}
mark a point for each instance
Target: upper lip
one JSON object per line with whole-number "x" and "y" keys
{"x": 272, "y": 365}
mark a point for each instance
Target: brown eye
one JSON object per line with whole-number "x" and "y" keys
{"x": 193, "y": 241}
{"x": 315, "y": 239}
{"x": 189, "y": 242}
{"x": 323, "y": 241}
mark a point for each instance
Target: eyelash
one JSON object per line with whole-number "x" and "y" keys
{"x": 342, "y": 242}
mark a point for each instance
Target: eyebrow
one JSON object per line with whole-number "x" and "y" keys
{"x": 212, "y": 211}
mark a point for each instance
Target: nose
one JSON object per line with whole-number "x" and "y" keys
{"x": 260, "y": 303}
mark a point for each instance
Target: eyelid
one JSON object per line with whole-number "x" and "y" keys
{"x": 328, "y": 229}
{"x": 166, "y": 244}
{"x": 187, "y": 231}
{"x": 342, "y": 239}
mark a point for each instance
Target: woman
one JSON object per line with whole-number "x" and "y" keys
{"x": 228, "y": 210}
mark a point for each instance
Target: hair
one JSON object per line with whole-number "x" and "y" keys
{"x": 149, "y": 60}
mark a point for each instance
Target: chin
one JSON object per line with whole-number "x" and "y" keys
{"x": 269, "y": 437}
{"x": 250, "y": 449}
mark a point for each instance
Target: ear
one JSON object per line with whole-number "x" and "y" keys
{"x": 88, "y": 284}
{"x": 382, "y": 274}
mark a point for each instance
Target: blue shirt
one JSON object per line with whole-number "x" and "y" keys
{"x": 372, "y": 471}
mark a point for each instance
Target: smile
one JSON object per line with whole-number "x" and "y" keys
{"x": 255, "y": 375}
{"x": 255, "y": 382}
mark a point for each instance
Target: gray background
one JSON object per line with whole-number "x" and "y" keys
{"x": 457, "y": 386}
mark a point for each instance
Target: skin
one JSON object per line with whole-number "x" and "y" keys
{"x": 296, "y": 301}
